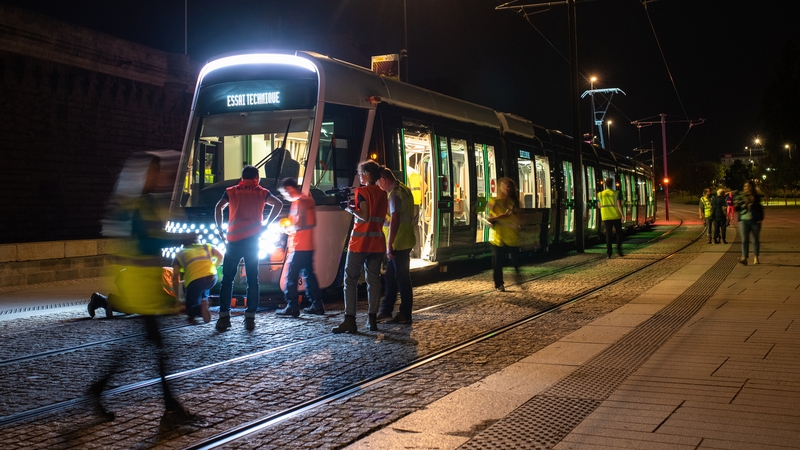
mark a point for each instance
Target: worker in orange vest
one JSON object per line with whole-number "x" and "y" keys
{"x": 366, "y": 247}
{"x": 302, "y": 221}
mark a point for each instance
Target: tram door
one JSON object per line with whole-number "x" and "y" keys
{"x": 627, "y": 198}
{"x": 591, "y": 197}
{"x": 419, "y": 177}
{"x": 651, "y": 204}
{"x": 568, "y": 194}
{"x": 486, "y": 180}
{"x": 454, "y": 199}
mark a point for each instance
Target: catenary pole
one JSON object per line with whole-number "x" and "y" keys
{"x": 577, "y": 168}
{"x": 666, "y": 177}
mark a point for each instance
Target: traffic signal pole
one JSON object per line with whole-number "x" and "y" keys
{"x": 666, "y": 177}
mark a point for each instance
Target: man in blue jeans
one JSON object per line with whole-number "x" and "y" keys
{"x": 246, "y": 222}
{"x": 400, "y": 241}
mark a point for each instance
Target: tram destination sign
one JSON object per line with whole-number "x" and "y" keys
{"x": 256, "y": 96}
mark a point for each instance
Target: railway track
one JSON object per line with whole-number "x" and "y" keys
{"x": 275, "y": 417}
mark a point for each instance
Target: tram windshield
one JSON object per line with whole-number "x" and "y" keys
{"x": 276, "y": 143}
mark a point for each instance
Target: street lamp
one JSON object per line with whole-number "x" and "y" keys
{"x": 787, "y": 147}
{"x": 608, "y": 132}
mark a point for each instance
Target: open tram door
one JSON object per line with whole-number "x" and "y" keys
{"x": 568, "y": 194}
{"x": 419, "y": 177}
{"x": 590, "y": 197}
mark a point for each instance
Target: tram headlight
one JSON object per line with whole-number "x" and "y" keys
{"x": 270, "y": 240}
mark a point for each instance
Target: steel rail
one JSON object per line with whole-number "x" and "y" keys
{"x": 269, "y": 420}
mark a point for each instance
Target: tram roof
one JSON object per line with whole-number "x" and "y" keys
{"x": 350, "y": 84}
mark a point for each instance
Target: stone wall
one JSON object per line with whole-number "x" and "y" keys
{"x": 44, "y": 262}
{"x": 76, "y": 103}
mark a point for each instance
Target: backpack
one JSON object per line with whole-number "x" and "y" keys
{"x": 757, "y": 212}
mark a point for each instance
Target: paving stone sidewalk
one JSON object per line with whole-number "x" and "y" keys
{"x": 727, "y": 378}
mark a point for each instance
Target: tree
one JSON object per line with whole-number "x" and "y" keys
{"x": 780, "y": 119}
{"x": 738, "y": 173}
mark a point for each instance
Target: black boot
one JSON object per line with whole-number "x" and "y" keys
{"x": 223, "y": 323}
{"x": 291, "y": 310}
{"x": 373, "y": 322}
{"x": 97, "y": 300}
{"x": 348, "y": 326}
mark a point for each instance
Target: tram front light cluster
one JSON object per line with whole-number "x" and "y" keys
{"x": 207, "y": 232}
{"x": 270, "y": 240}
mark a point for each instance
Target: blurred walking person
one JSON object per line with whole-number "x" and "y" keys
{"x": 300, "y": 228}
{"x": 400, "y": 241}
{"x": 139, "y": 284}
{"x": 245, "y": 203}
{"x": 503, "y": 215}
{"x": 366, "y": 247}
{"x": 611, "y": 215}
{"x": 751, "y": 213}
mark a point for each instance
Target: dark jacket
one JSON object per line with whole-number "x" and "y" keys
{"x": 718, "y": 207}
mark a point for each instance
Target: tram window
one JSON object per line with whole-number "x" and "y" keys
{"x": 461, "y": 185}
{"x": 336, "y": 163}
{"x": 542, "y": 182}
{"x": 445, "y": 178}
{"x": 228, "y": 142}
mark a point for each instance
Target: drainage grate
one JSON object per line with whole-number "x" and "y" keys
{"x": 543, "y": 421}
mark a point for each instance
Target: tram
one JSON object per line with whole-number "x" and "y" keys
{"x": 312, "y": 117}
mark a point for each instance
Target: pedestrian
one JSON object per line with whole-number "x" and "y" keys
{"x": 139, "y": 284}
{"x": 720, "y": 216}
{"x": 300, "y": 228}
{"x": 366, "y": 247}
{"x": 705, "y": 212}
{"x": 503, "y": 215}
{"x": 751, "y": 213}
{"x": 730, "y": 209}
{"x": 199, "y": 263}
{"x": 400, "y": 240}
{"x": 611, "y": 215}
{"x": 245, "y": 202}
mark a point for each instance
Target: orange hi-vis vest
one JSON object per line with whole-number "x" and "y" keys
{"x": 246, "y": 203}
{"x": 304, "y": 218}
{"x": 368, "y": 237}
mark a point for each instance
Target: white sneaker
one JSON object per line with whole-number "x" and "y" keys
{"x": 755, "y": 260}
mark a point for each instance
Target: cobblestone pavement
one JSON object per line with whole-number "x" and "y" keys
{"x": 314, "y": 363}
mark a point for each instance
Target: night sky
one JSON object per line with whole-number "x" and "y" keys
{"x": 720, "y": 54}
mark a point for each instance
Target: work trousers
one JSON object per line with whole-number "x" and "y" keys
{"x": 611, "y": 225}
{"x": 398, "y": 276}
{"x": 302, "y": 263}
{"x": 246, "y": 249}
{"x": 371, "y": 263}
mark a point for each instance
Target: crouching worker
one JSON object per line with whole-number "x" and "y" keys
{"x": 300, "y": 228}
{"x": 199, "y": 263}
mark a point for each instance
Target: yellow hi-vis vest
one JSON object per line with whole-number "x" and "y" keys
{"x": 706, "y": 207}
{"x": 405, "y": 238}
{"x": 504, "y": 232}
{"x": 608, "y": 205}
{"x": 197, "y": 262}
{"x": 415, "y": 186}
